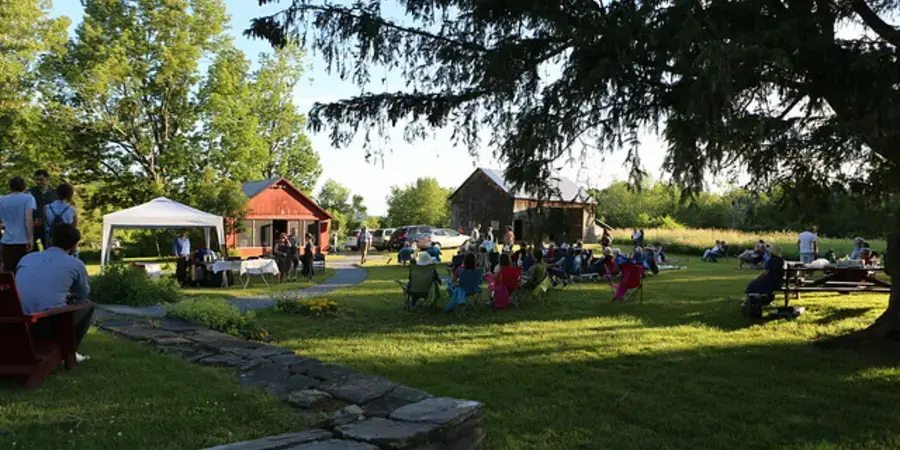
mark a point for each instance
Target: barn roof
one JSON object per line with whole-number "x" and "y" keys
{"x": 253, "y": 188}
{"x": 567, "y": 190}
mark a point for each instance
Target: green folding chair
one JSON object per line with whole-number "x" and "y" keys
{"x": 423, "y": 286}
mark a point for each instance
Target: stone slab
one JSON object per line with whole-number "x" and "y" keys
{"x": 222, "y": 360}
{"x": 386, "y": 433}
{"x": 116, "y": 323}
{"x": 174, "y": 340}
{"x": 444, "y": 411}
{"x": 336, "y": 444}
{"x": 307, "y": 398}
{"x": 283, "y": 388}
{"x": 358, "y": 388}
{"x": 279, "y": 442}
{"x": 144, "y": 333}
{"x": 329, "y": 372}
{"x": 401, "y": 396}
{"x": 264, "y": 375}
{"x": 177, "y": 325}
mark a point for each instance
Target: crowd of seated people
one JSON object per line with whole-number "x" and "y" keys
{"x": 720, "y": 250}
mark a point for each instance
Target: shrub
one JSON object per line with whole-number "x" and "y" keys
{"x": 220, "y": 316}
{"x": 127, "y": 285}
{"x": 667, "y": 223}
{"x": 312, "y": 307}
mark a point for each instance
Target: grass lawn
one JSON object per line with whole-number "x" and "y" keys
{"x": 683, "y": 370}
{"x": 126, "y": 397}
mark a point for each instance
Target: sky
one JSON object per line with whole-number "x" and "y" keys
{"x": 404, "y": 162}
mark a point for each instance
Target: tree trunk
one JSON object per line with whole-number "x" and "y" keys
{"x": 887, "y": 326}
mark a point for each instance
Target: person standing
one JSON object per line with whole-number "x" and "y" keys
{"x": 489, "y": 236}
{"x": 308, "y": 256}
{"x": 509, "y": 239}
{"x": 60, "y": 210}
{"x": 17, "y": 214}
{"x": 635, "y": 238}
{"x": 182, "y": 252}
{"x": 334, "y": 245}
{"x": 283, "y": 256}
{"x": 476, "y": 234}
{"x": 364, "y": 241}
{"x": 49, "y": 279}
{"x": 43, "y": 196}
{"x": 808, "y": 243}
{"x": 295, "y": 252}
{"x": 606, "y": 240}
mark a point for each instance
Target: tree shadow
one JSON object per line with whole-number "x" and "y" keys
{"x": 836, "y": 315}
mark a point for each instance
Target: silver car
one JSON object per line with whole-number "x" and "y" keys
{"x": 381, "y": 238}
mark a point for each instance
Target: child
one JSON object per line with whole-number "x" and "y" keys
{"x": 434, "y": 251}
{"x": 406, "y": 254}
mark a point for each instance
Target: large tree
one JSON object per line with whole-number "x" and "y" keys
{"x": 132, "y": 71}
{"x": 287, "y": 151}
{"x": 770, "y": 87}
{"x": 29, "y": 136}
{"x": 424, "y": 201}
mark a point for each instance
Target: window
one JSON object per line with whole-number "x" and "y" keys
{"x": 439, "y": 233}
{"x": 452, "y": 233}
{"x": 495, "y": 224}
{"x": 245, "y": 237}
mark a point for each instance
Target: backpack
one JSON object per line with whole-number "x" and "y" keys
{"x": 57, "y": 217}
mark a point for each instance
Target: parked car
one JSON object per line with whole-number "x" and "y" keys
{"x": 406, "y": 234}
{"x": 444, "y": 237}
{"x": 381, "y": 238}
{"x": 352, "y": 241}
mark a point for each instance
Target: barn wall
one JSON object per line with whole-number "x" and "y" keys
{"x": 280, "y": 202}
{"x": 481, "y": 201}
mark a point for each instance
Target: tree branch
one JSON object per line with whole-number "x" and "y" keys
{"x": 883, "y": 29}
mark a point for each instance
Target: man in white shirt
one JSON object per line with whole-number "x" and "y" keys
{"x": 17, "y": 214}
{"x": 364, "y": 242}
{"x": 808, "y": 243}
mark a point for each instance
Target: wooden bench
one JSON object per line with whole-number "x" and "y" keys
{"x": 22, "y": 356}
{"x": 832, "y": 281}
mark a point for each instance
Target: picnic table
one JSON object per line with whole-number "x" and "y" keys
{"x": 844, "y": 280}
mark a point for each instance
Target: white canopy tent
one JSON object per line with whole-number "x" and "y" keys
{"x": 160, "y": 213}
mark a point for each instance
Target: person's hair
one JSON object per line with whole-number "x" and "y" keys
{"x": 17, "y": 184}
{"x": 469, "y": 261}
{"x": 537, "y": 254}
{"x": 508, "y": 228}
{"x": 504, "y": 260}
{"x": 65, "y": 191}
{"x": 42, "y": 173}
{"x": 309, "y": 236}
{"x": 65, "y": 236}
{"x": 434, "y": 244}
{"x": 571, "y": 251}
{"x": 482, "y": 250}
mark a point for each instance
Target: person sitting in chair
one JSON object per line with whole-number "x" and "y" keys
{"x": 536, "y": 273}
{"x": 434, "y": 251}
{"x": 405, "y": 254}
{"x": 53, "y": 278}
{"x": 772, "y": 276}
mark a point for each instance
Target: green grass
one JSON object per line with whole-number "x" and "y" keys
{"x": 126, "y": 397}
{"x": 684, "y": 370}
{"x": 695, "y": 241}
{"x": 257, "y": 287}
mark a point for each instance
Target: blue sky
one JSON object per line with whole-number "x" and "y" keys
{"x": 404, "y": 162}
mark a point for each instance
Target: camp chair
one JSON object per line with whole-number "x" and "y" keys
{"x": 538, "y": 293}
{"x": 20, "y": 355}
{"x": 422, "y": 285}
{"x": 632, "y": 284}
{"x": 470, "y": 282}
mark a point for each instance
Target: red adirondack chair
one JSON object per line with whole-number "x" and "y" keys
{"x": 22, "y": 356}
{"x": 632, "y": 279}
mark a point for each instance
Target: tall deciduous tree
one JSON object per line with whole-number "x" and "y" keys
{"x": 424, "y": 202}
{"x": 29, "y": 138}
{"x": 766, "y": 86}
{"x": 287, "y": 151}
{"x": 132, "y": 70}
{"x": 231, "y": 140}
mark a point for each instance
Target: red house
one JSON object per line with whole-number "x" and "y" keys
{"x": 275, "y": 206}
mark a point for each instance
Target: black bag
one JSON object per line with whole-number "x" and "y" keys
{"x": 753, "y": 305}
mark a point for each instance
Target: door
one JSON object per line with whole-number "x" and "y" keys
{"x": 313, "y": 229}
{"x": 519, "y": 229}
{"x": 278, "y": 227}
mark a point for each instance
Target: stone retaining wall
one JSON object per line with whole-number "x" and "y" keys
{"x": 354, "y": 411}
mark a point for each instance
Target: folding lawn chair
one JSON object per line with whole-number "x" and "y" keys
{"x": 632, "y": 284}
{"x": 423, "y": 285}
{"x": 538, "y": 293}
{"x": 470, "y": 282}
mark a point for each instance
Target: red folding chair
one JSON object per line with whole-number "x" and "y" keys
{"x": 632, "y": 284}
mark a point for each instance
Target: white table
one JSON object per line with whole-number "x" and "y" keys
{"x": 246, "y": 268}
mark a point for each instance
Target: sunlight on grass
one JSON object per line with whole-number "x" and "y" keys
{"x": 126, "y": 397}
{"x": 585, "y": 373}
